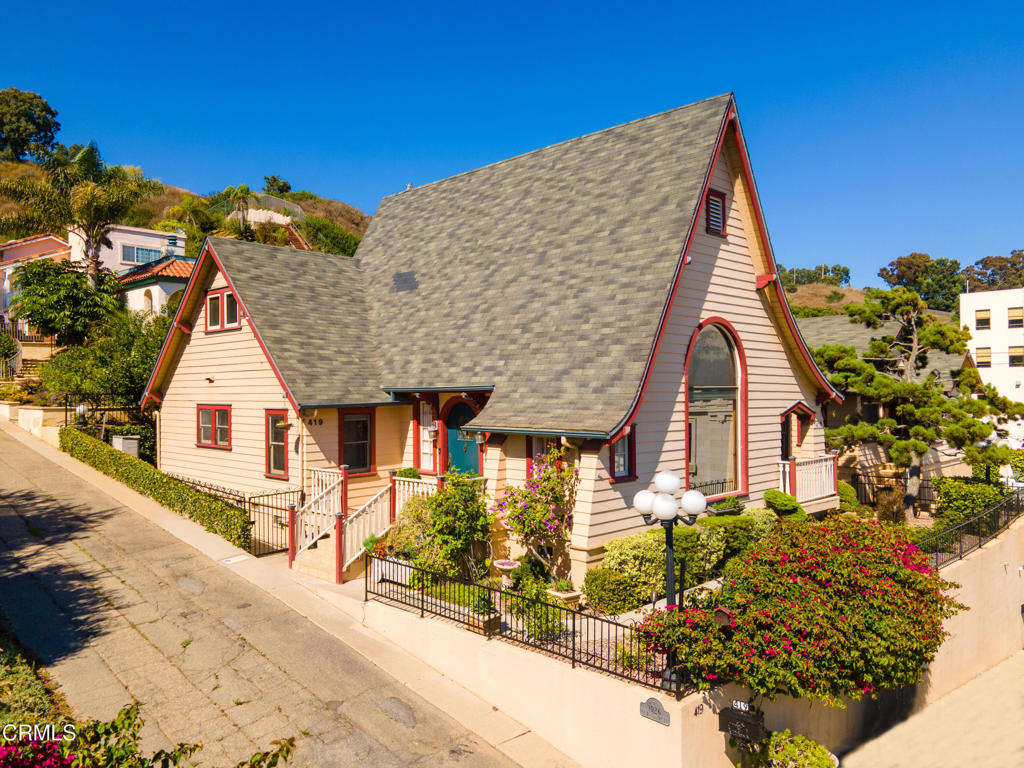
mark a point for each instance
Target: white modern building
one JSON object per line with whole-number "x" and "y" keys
{"x": 130, "y": 247}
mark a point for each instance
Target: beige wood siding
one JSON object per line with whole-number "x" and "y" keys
{"x": 242, "y": 378}
{"x": 718, "y": 281}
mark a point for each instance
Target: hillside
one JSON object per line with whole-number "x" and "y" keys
{"x": 813, "y": 295}
{"x": 151, "y": 211}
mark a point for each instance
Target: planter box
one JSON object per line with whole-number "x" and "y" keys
{"x": 484, "y": 625}
{"x": 392, "y": 569}
{"x": 571, "y": 599}
{"x": 9, "y": 410}
{"x": 33, "y": 418}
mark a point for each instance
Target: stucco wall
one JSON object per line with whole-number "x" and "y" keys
{"x": 110, "y": 258}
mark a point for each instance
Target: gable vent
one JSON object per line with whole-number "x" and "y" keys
{"x": 716, "y": 213}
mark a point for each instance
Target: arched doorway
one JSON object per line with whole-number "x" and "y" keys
{"x": 463, "y": 453}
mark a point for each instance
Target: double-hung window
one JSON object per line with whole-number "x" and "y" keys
{"x": 714, "y": 218}
{"x": 357, "y": 442}
{"x": 222, "y": 310}
{"x": 622, "y": 458}
{"x": 983, "y": 357}
{"x": 982, "y": 319}
{"x": 213, "y": 426}
{"x": 277, "y": 444}
{"x": 426, "y": 420}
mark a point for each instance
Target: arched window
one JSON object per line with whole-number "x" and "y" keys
{"x": 714, "y": 430}
{"x": 147, "y": 301}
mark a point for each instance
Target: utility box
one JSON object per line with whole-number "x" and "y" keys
{"x": 126, "y": 444}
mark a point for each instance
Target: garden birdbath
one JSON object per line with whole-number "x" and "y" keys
{"x": 505, "y": 568}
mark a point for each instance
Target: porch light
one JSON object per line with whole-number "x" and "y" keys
{"x": 432, "y": 429}
{"x": 480, "y": 438}
{"x": 663, "y": 507}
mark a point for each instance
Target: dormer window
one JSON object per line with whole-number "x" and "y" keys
{"x": 715, "y": 213}
{"x": 221, "y": 310}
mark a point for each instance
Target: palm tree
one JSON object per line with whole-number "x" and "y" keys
{"x": 191, "y": 210}
{"x": 240, "y": 197}
{"x": 76, "y": 190}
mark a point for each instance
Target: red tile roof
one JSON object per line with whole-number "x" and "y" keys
{"x": 172, "y": 268}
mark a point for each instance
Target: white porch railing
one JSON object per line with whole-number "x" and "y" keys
{"x": 407, "y": 487}
{"x": 371, "y": 519}
{"x": 808, "y": 479}
{"x": 315, "y": 519}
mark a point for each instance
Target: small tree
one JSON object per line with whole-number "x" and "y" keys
{"x": 56, "y": 298}
{"x": 539, "y": 515}
{"x": 27, "y": 124}
{"x": 938, "y": 282}
{"x": 275, "y": 185}
{"x": 459, "y": 528}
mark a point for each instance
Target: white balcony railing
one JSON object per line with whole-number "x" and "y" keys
{"x": 808, "y": 479}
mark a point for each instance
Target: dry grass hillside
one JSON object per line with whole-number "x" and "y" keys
{"x": 152, "y": 210}
{"x": 814, "y": 296}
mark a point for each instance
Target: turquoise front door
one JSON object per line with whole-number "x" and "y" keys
{"x": 463, "y": 453}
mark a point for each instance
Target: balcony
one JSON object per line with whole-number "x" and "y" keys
{"x": 812, "y": 481}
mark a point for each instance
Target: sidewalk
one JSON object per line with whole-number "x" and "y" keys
{"x": 272, "y": 576}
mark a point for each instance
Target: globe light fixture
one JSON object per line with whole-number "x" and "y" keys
{"x": 663, "y": 507}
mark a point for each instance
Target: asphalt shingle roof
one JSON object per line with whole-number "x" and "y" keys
{"x": 310, "y": 310}
{"x": 545, "y": 275}
{"x": 837, "y": 329}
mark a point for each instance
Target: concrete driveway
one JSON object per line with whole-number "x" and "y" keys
{"x": 118, "y": 608}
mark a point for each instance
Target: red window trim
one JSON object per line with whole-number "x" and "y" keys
{"x": 213, "y": 426}
{"x": 432, "y": 401}
{"x": 742, "y": 468}
{"x": 804, "y": 414}
{"x": 630, "y": 458}
{"x": 221, "y": 327}
{"x": 267, "y": 413}
{"x": 372, "y": 413}
{"x": 707, "y": 213}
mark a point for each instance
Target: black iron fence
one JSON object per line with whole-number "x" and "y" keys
{"x": 871, "y": 489}
{"x": 101, "y": 409}
{"x": 267, "y": 512}
{"x": 950, "y": 544}
{"x": 714, "y": 487}
{"x": 552, "y": 627}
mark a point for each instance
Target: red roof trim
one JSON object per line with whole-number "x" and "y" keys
{"x": 729, "y": 118}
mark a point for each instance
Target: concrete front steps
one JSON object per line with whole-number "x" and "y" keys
{"x": 319, "y": 562}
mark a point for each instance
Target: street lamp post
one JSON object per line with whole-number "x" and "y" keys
{"x": 662, "y": 507}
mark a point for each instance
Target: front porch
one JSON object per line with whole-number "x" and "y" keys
{"x": 814, "y": 482}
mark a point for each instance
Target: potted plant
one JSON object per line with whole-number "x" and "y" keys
{"x": 564, "y": 592}
{"x": 483, "y": 616}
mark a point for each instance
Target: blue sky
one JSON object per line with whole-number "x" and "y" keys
{"x": 875, "y": 130}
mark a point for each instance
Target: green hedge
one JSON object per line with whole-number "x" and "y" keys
{"x": 609, "y": 591}
{"x": 738, "y": 530}
{"x": 213, "y": 514}
{"x": 146, "y": 433}
{"x": 961, "y": 498}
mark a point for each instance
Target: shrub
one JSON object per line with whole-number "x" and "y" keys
{"x": 411, "y": 472}
{"x": 963, "y": 497}
{"x": 609, "y": 591}
{"x": 459, "y": 523}
{"x": 408, "y": 534}
{"x": 538, "y": 618}
{"x": 8, "y": 347}
{"x": 782, "y": 503}
{"x": 847, "y": 496}
{"x": 640, "y": 558}
{"x": 762, "y": 523}
{"x": 146, "y": 433}
{"x": 730, "y": 505}
{"x": 14, "y": 393}
{"x": 530, "y": 569}
{"x": 326, "y": 236}
{"x": 784, "y": 748}
{"x": 632, "y": 656}
{"x": 839, "y": 609}
{"x": 737, "y": 530}
{"x": 213, "y": 514}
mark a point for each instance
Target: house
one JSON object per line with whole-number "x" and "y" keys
{"x": 129, "y": 247}
{"x": 13, "y": 254}
{"x": 149, "y": 287}
{"x": 616, "y": 293}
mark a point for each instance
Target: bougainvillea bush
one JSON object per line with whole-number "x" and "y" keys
{"x": 819, "y": 611}
{"x": 539, "y": 514}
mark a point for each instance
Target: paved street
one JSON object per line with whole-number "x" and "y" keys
{"x": 979, "y": 725}
{"x": 118, "y": 608}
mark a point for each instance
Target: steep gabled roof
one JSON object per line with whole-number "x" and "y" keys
{"x": 545, "y": 275}
{"x": 307, "y": 309}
